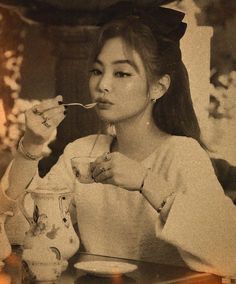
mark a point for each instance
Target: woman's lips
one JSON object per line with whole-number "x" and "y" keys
{"x": 103, "y": 104}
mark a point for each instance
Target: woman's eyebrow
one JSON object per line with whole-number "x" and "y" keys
{"x": 98, "y": 62}
{"x": 127, "y": 61}
{"x": 120, "y": 61}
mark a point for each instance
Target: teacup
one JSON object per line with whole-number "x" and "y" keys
{"x": 81, "y": 167}
{"x": 45, "y": 271}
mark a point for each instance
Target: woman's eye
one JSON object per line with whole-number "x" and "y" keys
{"x": 95, "y": 72}
{"x": 121, "y": 74}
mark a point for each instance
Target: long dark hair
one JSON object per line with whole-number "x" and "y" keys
{"x": 173, "y": 112}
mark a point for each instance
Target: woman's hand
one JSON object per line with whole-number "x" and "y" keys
{"x": 42, "y": 120}
{"x": 115, "y": 168}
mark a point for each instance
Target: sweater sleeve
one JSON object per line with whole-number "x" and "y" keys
{"x": 202, "y": 221}
{"x": 60, "y": 174}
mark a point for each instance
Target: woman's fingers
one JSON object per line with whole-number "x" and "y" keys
{"x": 56, "y": 115}
{"x": 105, "y": 157}
{"x": 42, "y": 119}
{"x": 47, "y": 105}
{"x": 53, "y": 112}
{"x": 98, "y": 160}
{"x": 100, "y": 168}
{"x": 104, "y": 176}
{"x": 57, "y": 119}
{"x": 53, "y": 122}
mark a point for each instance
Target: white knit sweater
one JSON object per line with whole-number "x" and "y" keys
{"x": 200, "y": 228}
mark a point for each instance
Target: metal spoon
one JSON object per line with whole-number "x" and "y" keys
{"x": 87, "y": 106}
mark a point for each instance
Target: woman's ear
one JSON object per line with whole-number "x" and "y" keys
{"x": 159, "y": 88}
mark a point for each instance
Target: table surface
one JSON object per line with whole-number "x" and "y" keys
{"x": 146, "y": 273}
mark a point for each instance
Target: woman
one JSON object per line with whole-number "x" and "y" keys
{"x": 155, "y": 195}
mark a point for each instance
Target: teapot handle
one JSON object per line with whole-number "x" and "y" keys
{"x": 23, "y": 210}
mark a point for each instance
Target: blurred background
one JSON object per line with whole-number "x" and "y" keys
{"x": 44, "y": 46}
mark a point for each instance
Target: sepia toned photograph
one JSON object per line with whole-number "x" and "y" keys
{"x": 117, "y": 141}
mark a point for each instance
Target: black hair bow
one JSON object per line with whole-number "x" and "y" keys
{"x": 164, "y": 22}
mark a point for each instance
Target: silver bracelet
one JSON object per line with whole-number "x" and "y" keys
{"x": 144, "y": 178}
{"x": 163, "y": 203}
{"x": 25, "y": 153}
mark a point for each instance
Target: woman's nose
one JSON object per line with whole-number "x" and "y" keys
{"x": 105, "y": 84}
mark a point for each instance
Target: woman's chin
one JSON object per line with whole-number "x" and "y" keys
{"x": 107, "y": 120}
{"x": 113, "y": 117}
{"x": 105, "y": 117}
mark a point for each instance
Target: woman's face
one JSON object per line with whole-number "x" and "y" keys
{"x": 118, "y": 82}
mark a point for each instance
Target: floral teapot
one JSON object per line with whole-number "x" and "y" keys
{"x": 5, "y": 247}
{"x": 51, "y": 226}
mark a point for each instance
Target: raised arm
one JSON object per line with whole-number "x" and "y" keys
{"x": 41, "y": 122}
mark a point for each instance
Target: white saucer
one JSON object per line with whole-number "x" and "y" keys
{"x": 105, "y": 268}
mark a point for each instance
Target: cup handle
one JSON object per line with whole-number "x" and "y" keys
{"x": 21, "y": 203}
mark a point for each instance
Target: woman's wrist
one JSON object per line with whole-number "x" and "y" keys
{"x": 156, "y": 190}
{"x": 30, "y": 151}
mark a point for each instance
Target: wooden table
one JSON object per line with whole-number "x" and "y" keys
{"x": 147, "y": 273}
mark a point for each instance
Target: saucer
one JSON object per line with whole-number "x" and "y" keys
{"x": 105, "y": 268}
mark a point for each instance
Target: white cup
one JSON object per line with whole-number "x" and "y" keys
{"x": 81, "y": 167}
